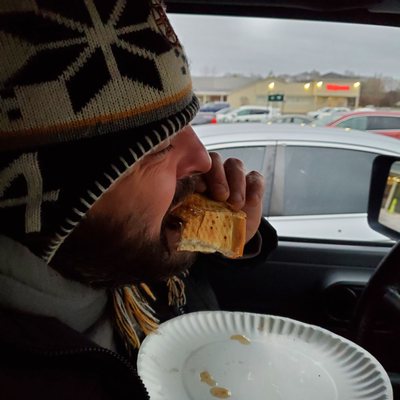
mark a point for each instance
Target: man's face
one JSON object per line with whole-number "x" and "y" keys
{"x": 128, "y": 235}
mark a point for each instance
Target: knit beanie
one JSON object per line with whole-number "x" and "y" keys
{"x": 87, "y": 87}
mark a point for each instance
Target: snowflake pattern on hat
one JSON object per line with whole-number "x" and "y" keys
{"x": 84, "y": 53}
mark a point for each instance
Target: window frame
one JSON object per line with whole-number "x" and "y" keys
{"x": 278, "y": 186}
{"x": 278, "y": 220}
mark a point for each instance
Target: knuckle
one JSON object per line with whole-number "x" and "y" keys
{"x": 234, "y": 163}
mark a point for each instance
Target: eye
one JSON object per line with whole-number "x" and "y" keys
{"x": 162, "y": 149}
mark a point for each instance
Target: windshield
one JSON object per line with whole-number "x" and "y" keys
{"x": 316, "y": 70}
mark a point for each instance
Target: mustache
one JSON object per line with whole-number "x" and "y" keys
{"x": 184, "y": 188}
{"x": 110, "y": 258}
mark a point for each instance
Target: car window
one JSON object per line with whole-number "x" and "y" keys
{"x": 359, "y": 123}
{"x": 381, "y": 122}
{"x": 252, "y": 72}
{"x": 252, "y": 157}
{"x": 316, "y": 180}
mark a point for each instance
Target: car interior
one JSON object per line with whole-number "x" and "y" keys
{"x": 349, "y": 287}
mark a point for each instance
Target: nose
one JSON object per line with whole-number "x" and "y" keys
{"x": 194, "y": 156}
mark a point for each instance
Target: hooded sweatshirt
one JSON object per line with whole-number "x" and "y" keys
{"x": 29, "y": 285}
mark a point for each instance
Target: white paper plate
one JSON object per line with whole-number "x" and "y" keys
{"x": 283, "y": 360}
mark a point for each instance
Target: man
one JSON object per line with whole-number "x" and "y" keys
{"x": 95, "y": 151}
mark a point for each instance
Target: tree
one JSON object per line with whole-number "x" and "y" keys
{"x": 390, "y": 99}
{"x": 372, "y": 91}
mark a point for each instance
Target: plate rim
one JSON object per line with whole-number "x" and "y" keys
{"x": 197, "y": 314}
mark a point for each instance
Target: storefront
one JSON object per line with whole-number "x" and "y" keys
{"x": 299, "y": 97}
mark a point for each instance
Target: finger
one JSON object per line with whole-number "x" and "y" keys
{"x": 215, "y": 179}
{"x": 254, "y": 202}
{"x": 200, "y": 184}
{"x": 255, "y": 186}
{"x": 236, "y": 177}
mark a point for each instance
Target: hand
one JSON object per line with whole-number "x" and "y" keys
{"x": 227, "y": 181}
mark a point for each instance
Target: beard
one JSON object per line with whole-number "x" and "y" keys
{"x": 105, "y": 253}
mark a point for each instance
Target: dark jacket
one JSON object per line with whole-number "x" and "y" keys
{"x": 42, "y": 358}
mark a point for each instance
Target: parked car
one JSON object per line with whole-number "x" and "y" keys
{"x": 250, "y": 114}
{"x": 333, "y": 111}
{"x": 292, "y": 119}
{"x": 220, "y": 115}
{"x": 305, "y": 200}
{"x": 203, "y": 117}
{"x": 214, "y": 106}
{"x": 316, "y": 113}
{"x": 366, "y": 108}
{"x": 324, "y": 120}
{"x": 383, "y": 122}
{"x": 327, "y": 111}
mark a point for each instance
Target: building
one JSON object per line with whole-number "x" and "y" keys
{"x": 218, "y": 88}
{"x": 330, "y": 90}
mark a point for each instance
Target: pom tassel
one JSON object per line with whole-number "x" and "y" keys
{"x": 134, "y": 317}
{"x": 176, "y": 292}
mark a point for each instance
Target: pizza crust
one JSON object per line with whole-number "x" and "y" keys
{"x": 210, "y": 226}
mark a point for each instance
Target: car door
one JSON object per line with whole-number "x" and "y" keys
{"x": 242, "y": 115}
{"x": 323, "y": 261}
{"x": 258, "y": 115}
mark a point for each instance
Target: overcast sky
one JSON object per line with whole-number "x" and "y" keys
{"x": 219, "y": 45}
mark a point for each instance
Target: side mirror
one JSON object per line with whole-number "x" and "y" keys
{"x": 384, "y": 197}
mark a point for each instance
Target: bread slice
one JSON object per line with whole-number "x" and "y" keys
{"x": 210, "y": 226}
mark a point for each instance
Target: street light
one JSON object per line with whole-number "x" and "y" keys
{"x": 271, "y": 85}
{"x": 357, "y": 84}
{"x": 307, "y": 86}
{"x": 319, "y": 84}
